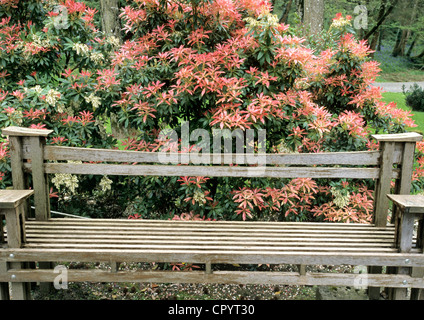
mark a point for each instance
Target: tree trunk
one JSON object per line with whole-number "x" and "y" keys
{"x": 110, "y": 18}
{"x": 380, "y": 40}
{"x": 408, "y": 54}
{"x": 374, "y": 42}
{"x": 399, "y": 49}
{"x": 313, "y": 15}
{"x": 287, "y": 9}
{"x": 383, "y": 14}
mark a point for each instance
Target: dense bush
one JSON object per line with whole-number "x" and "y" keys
{"x": 415, "y": 97}
{"x": 217, "y": 64}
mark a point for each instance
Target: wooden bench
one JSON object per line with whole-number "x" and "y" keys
{"x": 45, "y": 240}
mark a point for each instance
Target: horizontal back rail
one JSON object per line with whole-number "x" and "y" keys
{"x": 104, "y": 155}
{"x": 212, "y": 171}
{"x": 57, "y": 153}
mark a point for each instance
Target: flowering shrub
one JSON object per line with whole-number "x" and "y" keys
{"x": 217, "y": 64}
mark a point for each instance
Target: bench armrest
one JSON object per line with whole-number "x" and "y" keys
{"x": 12, "y": 207}
{"x": 410, "y": 209}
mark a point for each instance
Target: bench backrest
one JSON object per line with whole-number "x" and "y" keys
{"x": 393, "y": 160}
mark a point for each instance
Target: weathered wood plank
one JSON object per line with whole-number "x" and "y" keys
{"x": 221, "y": 223}
{"x": 381, "y": 203}
{"x": 214, "y": 171}
{"x": 27, "y": 132}
{"x": 408, "y": 203}
{"x": 41, "y": 196}
{"x": 407, "y": 168}
{"x": 4, "y": 286}
{"x": 365, "y": 158}
{"x": 208, "y": 230}
{"x": 16, "y": 163}
{"x": 214, "y": 256}
{"x": 129, "y": 223}
{"x": 399, "y": 137}
{"x": 131, "y": 238}
{"x": 235, "y": 277}
{"x": 10, "y": 199}
{"x": 14, "y": 230}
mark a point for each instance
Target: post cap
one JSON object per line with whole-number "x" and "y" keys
{"x": 26, "y": 132}
{"x": 398, "y": 137}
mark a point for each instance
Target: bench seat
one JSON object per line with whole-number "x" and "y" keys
{"x": 244, "y": 242}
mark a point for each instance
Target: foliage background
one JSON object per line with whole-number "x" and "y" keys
{"x": 217, "y": 64}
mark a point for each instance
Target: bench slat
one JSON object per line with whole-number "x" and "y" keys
{"x": 235, "y": 277}
{"x": 215, "y": 256}
{"x": 223, "y": 224}
{"x": 214, "y": 171}
{"x": 366, "y": 158}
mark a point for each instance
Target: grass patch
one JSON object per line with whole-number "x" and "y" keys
{"x": 399, "y": 99}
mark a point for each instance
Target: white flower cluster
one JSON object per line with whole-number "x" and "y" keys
{"x": 264, "y": 20}
{"x": 81, "y": 49}
{"x": 97, "y": 57}
{"x": 340, "y": 23}
{"x": 105, "y": 184}
{"x": 283, "y": 148}
{"x": 37, "y": 89}
{"x": 52, "y": 97}
{"x": 340, "y": 200}
{"x": 60, "y": 108}
{"x": 67, "y": 180}
{"x": 16, "y": 117}
{"x": 40, "y": 43}
{"x": 94, "y": 100}
{"x": 199, "y": 197}
{"x": 114, "y": 41}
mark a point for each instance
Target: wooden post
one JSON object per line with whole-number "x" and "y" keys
{"x": 12, "y": 203}
{"x": 36, "y": 138}
{"x": 4, "y": 286}
{"x": 37, "y": 141}
{"x": 389, "y": 143}
{"x": 410, "y": 209}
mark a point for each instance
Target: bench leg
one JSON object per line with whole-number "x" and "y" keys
{"x": 4, "y": 286}
{"x": 374, "y": 292}
{"x": 417, "y": 294}
{"x": 19, "y": 290}
{"x": 46, "y": 287}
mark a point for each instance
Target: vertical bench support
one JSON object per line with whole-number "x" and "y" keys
{"x": 390, "y": 145}
{"x": 410, "y": 209}
{"x": 20, "y": 140}
{"x": 12, "y": 204}
{"x": 4, "y": 287}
